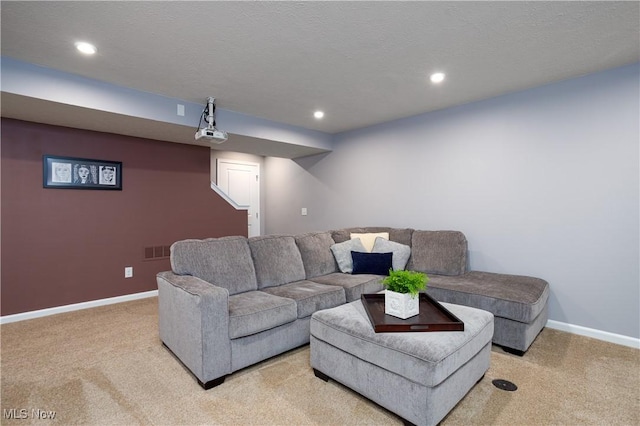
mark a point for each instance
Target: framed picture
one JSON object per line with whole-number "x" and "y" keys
{"x": 81, "y": 173}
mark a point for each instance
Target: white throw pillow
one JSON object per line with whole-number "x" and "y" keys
{"x": 342, "y": 253}
{"x": 401, "y": 252}
{"x": 369, "y": 239}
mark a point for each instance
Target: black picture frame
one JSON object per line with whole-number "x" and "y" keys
{"x": 81, "y": 173}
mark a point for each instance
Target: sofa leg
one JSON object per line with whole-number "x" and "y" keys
{"x": 513, "y": 351}
{"x": 321, "y": 375}
{"x": 212, "y": 383}
{"x": 206, "y": 386}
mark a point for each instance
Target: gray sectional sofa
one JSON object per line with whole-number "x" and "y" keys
{"x": 231, "y": 302}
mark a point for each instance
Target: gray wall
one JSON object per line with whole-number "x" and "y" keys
{"x": 543, "y": 182}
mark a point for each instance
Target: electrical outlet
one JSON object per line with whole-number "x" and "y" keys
{"x": 128, "y": 272}
{"x": 180, "y": 110}
{"x": 303, "y": 211}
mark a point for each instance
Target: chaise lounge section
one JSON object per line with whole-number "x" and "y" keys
{"x": 231, "y": 302}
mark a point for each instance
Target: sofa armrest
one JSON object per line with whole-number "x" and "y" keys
{"x": 194, "y": 324}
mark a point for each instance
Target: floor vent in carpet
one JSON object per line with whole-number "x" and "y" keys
{"x": 504, "y": 385}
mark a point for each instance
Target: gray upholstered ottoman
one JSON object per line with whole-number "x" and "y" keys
{"x": 420, "y": 376}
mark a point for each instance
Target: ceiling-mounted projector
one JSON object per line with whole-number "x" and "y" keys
{"x": 213, "y": 134}
{"x": 210, "y": 132}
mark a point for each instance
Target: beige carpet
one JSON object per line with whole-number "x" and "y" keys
{"x": 107, "y": 366}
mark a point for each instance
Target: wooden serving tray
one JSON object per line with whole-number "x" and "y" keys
{"x": 432, "y": 317}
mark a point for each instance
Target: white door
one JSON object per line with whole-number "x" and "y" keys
{"x": 240, "y": 180}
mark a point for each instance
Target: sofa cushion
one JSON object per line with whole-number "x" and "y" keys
{"x": 315, "y": 250}
{"x": 368, "y": 238}
{"x": 401, "y": 252}
{"x": 310, "y": 296}
{"x": 225, "y": 262}
{"x": 438, "y": 252}
{"x": 342, "y": 253}
{"x": 277, "y": 260}
{"x": 399, "y": 235}
{"x": 514, "y": 297}
{"x": 354, "y": 285}
{"x": 256, "y": 311}
{"x": 372, "y": 263}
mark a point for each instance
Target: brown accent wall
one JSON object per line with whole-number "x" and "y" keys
{"x": 64, "y": 246}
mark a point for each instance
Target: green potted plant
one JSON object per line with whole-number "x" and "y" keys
{"x": 401, "y": 295}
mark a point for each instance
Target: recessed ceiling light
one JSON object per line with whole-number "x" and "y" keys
{"x": 86, "y": 48}
{"x": 318, "y": 114}
{"x": 437, "y": 77}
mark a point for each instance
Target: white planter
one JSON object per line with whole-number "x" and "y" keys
{"x": 401, "y": 305}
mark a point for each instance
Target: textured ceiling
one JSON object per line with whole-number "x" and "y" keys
{"x": 361, "y": 62}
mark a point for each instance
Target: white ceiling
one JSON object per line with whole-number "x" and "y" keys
{"x": 361, "y": 62}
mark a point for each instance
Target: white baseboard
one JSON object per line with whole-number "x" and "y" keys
{"x": 596, "y": 334}
{"x": 76, "y": 307}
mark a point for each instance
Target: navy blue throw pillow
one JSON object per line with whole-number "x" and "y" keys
{"x": 371, "y": 263}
